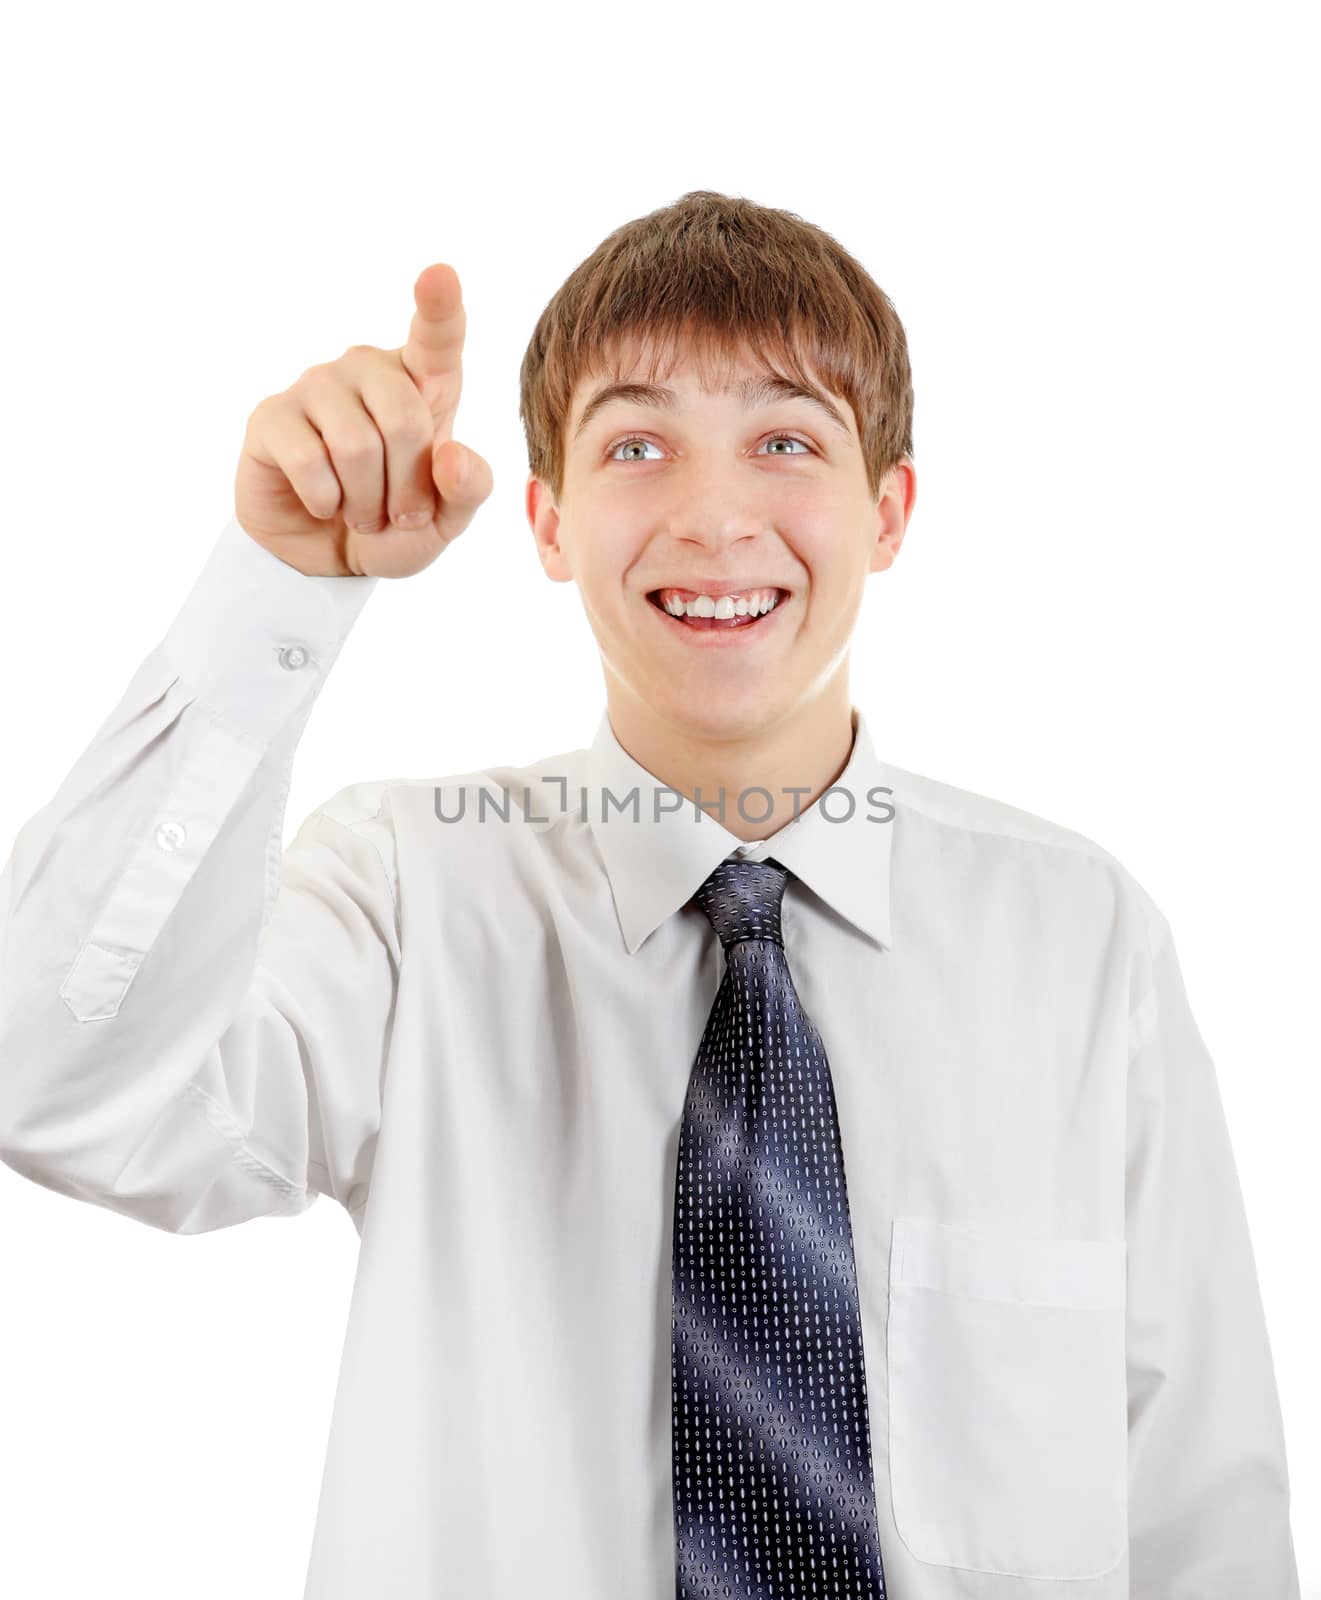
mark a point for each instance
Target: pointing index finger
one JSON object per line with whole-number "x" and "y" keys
{"x": 433, "y": 354}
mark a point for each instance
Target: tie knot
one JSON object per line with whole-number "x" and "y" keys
{"x": 742, "y": 899}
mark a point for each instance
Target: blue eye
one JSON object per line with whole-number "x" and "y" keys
{"x": 637, "y": 439}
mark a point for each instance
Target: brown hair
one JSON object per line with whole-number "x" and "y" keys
{"x": 722, "y": 272}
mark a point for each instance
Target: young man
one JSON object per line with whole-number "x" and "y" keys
{"x": 777, "y": 1174}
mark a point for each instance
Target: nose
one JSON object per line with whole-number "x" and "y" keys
{"x": 714, "y": 522}
{"x": 714, "y": 541}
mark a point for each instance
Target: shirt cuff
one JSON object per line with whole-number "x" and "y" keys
{"x": 255, "y": 638}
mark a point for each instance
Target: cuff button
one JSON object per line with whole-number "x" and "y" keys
{"x": 170, "y": 835}
{"x": 292, "y": 657}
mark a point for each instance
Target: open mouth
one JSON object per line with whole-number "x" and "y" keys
{"x": 749, "y": 617}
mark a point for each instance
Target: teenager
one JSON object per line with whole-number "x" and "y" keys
{"x": 777, "y": 1173}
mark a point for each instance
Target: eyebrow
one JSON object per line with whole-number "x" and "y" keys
{"x": 751, "y": 391}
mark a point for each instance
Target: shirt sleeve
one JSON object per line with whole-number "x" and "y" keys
{"x": 192, "y": 1027}
{"x": 1208, "y": 1482}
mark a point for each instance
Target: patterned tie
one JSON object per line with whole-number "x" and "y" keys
{"x": 773, "y": 1491}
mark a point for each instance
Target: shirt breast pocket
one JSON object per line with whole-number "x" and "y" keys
{"x": 1008, "y": 1400}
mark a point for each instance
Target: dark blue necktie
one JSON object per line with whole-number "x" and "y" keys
{"x": 773, "y": 1491}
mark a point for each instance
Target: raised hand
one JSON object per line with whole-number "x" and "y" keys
{"x": 353, "y": 469}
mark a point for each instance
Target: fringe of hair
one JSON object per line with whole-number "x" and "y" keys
{"x": 717, "y": 276}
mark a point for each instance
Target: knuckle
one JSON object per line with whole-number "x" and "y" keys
{"x": 354, "y": 447}
{"x": 405, "y": 426}
{"x": 308, "y": 465}
{"x": 358, "y": 356}
{"x": 263, "y": 417}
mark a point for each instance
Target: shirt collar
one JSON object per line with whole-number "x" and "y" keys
{"x": 658, "y": 846}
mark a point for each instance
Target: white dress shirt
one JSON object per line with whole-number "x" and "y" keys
{"x": 476, "y": 1035}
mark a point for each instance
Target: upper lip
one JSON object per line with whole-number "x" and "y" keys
{"x": 721, "y": 586}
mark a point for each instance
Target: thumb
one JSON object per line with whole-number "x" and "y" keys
{"x": 463, "y": 481}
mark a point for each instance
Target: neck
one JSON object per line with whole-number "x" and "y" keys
{"x": 725, "y": 771}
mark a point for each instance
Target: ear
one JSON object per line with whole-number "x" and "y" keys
{"x": 893, "y": 509}
{"x": 544, "y": 517}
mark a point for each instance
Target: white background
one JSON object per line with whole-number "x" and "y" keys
{"x": 1097, "y": 226}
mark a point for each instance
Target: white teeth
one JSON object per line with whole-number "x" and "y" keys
{"x": 756, "y": 604}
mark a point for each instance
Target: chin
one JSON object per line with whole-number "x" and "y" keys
{"x": 728, "y": 715}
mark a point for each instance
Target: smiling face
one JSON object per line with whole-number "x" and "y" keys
{"x": 746, "y": 486}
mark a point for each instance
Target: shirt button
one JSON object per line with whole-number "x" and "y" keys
{"x": 293, "y": 656}
{"x": 170, "y": 835}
